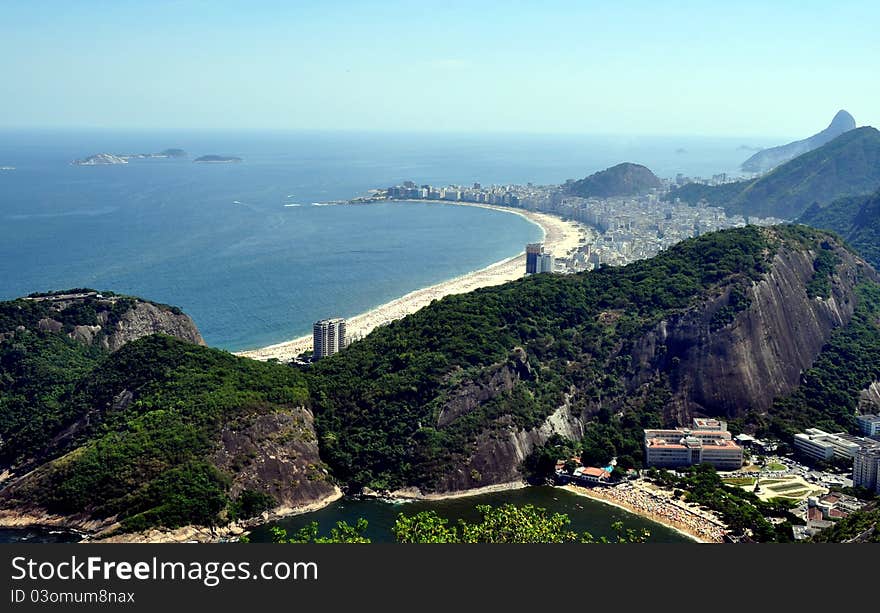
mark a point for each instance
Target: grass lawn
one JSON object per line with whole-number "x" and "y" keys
{"x": 775, "y": 466}
{"x": 740, "y": 481}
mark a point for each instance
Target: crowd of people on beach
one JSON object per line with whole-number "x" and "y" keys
{"x": 663, "y": 509}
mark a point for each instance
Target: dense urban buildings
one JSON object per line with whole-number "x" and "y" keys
{"x": 707, "y": 442}
{"x": 328, "y": 337}
{"x": 626, "y": 228}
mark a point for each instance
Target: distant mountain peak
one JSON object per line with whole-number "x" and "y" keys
{"x": 768, "y": 159}
{"x": 842, "y": 120}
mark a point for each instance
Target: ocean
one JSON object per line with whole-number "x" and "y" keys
{"x": 243, "y": 249}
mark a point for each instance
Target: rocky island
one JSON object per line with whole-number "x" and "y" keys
{"x": 218, "y": 159}
{"x": 100, "y": 159}
{"x": 165, "y": 154}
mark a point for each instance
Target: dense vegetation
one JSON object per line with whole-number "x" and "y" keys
{"x": 503, "y": 524}
{"x": 38, "y": 372}
{"x": 622, "y": 180}
{"x": 849, "y": 165}
{"x": 856, "y": 219}
{"x": 145, "y": 456}
{"x": 378, "y": 404}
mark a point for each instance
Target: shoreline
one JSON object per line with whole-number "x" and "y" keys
{"x": 559, "y": 236}
{"x": 416, "y": 494}
{"x": 657, "y": 518}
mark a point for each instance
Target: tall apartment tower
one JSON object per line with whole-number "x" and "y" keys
{"x": 533, "y": 258}
{"x": 866, "y": 468}
{"x": 328, "y": 337}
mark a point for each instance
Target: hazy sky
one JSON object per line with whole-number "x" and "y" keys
{"x": 640, "y": 67}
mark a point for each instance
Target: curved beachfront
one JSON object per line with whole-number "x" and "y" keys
{"x": 561, "y": 237}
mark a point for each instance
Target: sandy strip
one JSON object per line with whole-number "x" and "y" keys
{"x": 561, "y": 237}
{"x": 607, "y": 496}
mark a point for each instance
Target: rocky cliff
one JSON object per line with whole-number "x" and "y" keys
{"x": 727, "y": 369}
{"x": 103, "y": 320}
{"x": 743, "y": 366}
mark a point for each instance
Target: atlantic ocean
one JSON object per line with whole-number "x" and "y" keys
{"x": 243, "y": 248}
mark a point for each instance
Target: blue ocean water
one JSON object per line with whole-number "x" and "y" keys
{"x": 227, "y": 243}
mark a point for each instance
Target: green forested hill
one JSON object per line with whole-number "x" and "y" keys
{"x": 624, "y": 179}
{"x": 849, "y": 165}
{"x": 856, "y": 219}
{"x": 164, "y": 432}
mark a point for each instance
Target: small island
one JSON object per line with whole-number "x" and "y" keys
{"x": 165, "y": 154}
{"x": 217, "y": 159}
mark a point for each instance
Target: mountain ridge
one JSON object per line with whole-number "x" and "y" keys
{"x": 767, "y": 159}
{"x": 849, "y": 165}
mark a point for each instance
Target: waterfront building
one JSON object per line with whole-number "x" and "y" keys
{"x": 686, "y": 447}
{"x": 328, "y": 337}
{"x": 546, "y": 262}
{"x": 533, "y": 256}
{"x": 869, "y": 425}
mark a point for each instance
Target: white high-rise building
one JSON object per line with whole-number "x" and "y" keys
{"x": 328, "y": 337}
{"x": 866, "y": 467}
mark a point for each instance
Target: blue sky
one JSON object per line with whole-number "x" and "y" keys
{"x": 710, "y": 68}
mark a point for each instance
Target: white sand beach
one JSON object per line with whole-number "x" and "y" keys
{"x": 561, "y": 237}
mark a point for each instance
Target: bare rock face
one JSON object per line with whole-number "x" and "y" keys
{"x": 758, "y": 357}
{"x": 869, "y": 398}
{"x": 498, "y": 453}
{"x": 147, "y": 318}
{"x": 276, "y": 453}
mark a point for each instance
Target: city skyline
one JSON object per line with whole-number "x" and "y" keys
{"x": 560, "y": 67}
